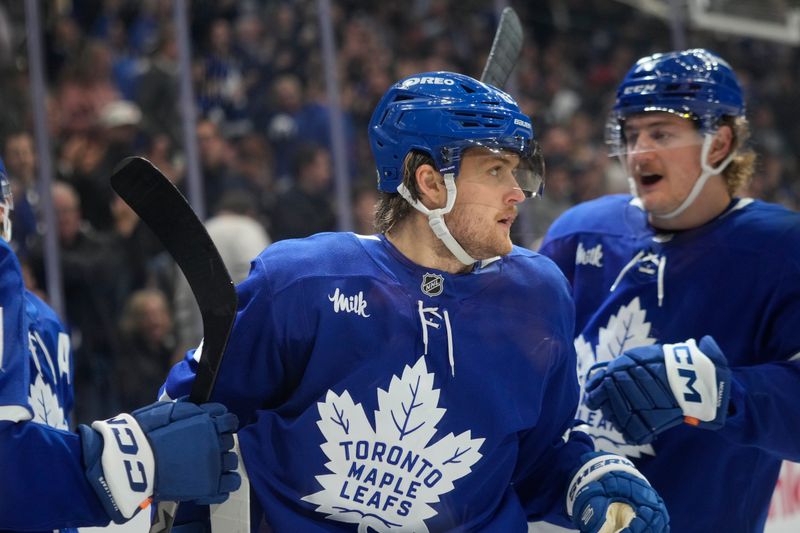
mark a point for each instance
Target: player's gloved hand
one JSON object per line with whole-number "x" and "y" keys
{"x": 653, "y": 388}
{"x": 175, "y": 451}
{"x": 608, "y": 495}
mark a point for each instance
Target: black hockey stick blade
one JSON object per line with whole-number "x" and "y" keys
{"x": 164, "y": 209}
{"x": 505, "y": 51}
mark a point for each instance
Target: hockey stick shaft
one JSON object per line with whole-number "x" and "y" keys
{"x": 506, "y": 47}
{"x": 164, "y": 209}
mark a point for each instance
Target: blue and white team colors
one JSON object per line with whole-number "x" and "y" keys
{"x": 51, "y": 393}
{"x": 626, "y": 279}
{"x": 36, "y": 396}
{"x": 375, "y": 393}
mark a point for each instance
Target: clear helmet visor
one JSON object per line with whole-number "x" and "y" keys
{"x": 673, "y": 136}
{"x": 652, "y": 130}
{"x": 528, "y": 171}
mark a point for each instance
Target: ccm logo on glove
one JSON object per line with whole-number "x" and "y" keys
{"x": 131, "y": 454}
{"x": 126, "y": 442}
{"x": 693, "y": 378}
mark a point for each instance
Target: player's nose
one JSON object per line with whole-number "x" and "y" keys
{"x": 639, "y": 157}
{"x": 514, "y": 196}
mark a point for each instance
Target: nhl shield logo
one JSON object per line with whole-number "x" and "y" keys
{"x": 432, "y": 284}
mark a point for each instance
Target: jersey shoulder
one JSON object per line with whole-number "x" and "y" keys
{"x": 759, "y": 217}
{"x": 765, "y": 228}
{"x": 323, "y": 254}
{"x": 531, "y": 272}
{"x": 11, "y": 282}
{"x": 41, "y": 313}
{"x": 615, "y": 214}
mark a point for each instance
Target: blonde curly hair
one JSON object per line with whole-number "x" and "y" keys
{"x": 741, "y": 168}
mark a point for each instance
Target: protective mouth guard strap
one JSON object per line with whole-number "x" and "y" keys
{"x": 436, "y": 218}
{"x": 707, "y": 172}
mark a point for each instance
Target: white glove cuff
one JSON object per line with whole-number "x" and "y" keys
{"x": 594, "y": 469}
{"x": 692, "y": 377}
{"x": 128, "y": 462}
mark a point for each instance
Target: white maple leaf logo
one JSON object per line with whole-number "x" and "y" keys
{"x": 386, "y": 479}
{"x": 625, "y": 330}
{"x": 46, "y": 407}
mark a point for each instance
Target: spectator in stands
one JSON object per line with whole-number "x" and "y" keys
{"x": 20, "y": 157}
{"x": 157, "y": 88}
{"x": 147, "y": 345}
{"x": 91, "y": 267}
{"x": 306, "y": 209}
{"x": 216, "y": 160}
{"x": 88, "y": 160}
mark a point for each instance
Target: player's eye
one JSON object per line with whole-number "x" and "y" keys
{"x": 661, "y": 136}
{"x": 631, "y": 137}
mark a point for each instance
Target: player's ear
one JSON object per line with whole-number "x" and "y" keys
{"x": 721, "y": 145}
{"x": 430, "y": 185}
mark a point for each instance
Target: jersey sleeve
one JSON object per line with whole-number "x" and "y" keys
{"x": 14, "y": 359}
{"x": 764, "y": 411}
{"x": 255, "y": 372}
{"x": 550, "y": 452}
{"x": 542, "y": 487}
{"x": 561, "y": 250}
{"x": 43, "y": 484}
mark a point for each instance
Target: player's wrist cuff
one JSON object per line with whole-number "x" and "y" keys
{"x": 597, "y": 465}
{"x": 119, "y": 465}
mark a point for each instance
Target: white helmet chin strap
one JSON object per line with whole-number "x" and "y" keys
{"x": 436, "y": 218}
{"x": 707, "y": 172}
{"x": 5, "y": 220}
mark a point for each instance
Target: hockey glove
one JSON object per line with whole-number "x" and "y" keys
{"x": 650, "y": 389}
{"x": 175, "y": 451}
{"x": 608, "y": 495}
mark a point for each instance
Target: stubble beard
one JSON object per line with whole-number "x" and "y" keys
{"x": 477, "y": 232}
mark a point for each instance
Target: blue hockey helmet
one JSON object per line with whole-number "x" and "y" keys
{"x": 443, "y": 114}
{"x": 695, "y": 84}
{"x": 6, "y": 203}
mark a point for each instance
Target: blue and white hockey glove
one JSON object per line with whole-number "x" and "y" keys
{"x": 175, "y": 451}
{"x": 608, "y": 495}
{"x": 650, "y": 389}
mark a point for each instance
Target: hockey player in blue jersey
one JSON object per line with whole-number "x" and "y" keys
{"x": 54, "y": 479}
{"x": 687, "y": 300}
{"x": 420, "y": 379}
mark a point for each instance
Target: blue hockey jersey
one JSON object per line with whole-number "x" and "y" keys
{"x": 42, "y": 485}
{"x": 736, "y": 278}
{"x": 375, "y": 392}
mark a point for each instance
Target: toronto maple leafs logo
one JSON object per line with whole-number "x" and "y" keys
{"x": 625, "y": 330}
{"x": 46, "y": 408}
{"x": 42, "y": 397}
{"x": 387, "y": 479}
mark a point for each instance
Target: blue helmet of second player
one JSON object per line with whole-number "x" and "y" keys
{"x": 694, "y": 84}
{"x": 443, "y": 114}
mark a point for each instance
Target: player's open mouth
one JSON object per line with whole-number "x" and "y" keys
{"x": 507, "y": 221}
{"x": 650, "y": 179}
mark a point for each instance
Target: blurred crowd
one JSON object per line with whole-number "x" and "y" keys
{"x": 264, "y": 143}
